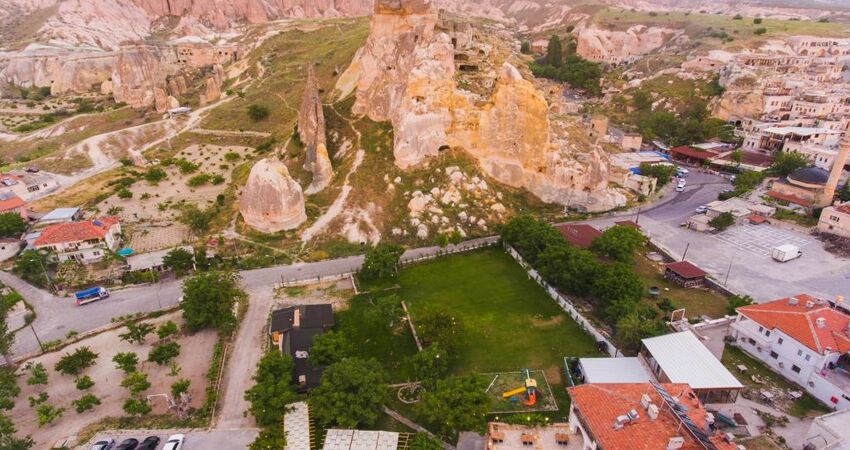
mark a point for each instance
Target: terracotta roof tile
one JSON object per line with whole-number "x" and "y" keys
{"x": 76, "y": 231}
{"x": 686, "y": 270}
{"x": 692, "y": 152}
{"x": 843, "y": 208}
{"x": 9, "y": 202}
{"x": 800, "y": 321}
{"x": 578, "y": 234}
{"x": 789, "y": 198}
{"x": 599, "y": 405}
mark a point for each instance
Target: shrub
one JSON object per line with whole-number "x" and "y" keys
{"x": 126, "y": 361}
{"x": 124, "y": 193}
{"x": 198, "y": 180}
{"x": 258, "y": 112}
{"x": 47, "y": 413}
{"x": 136, "y": 382}
{"x": 760, "y": 31}
{"x": 38, "y": 374}
{"x": 163, "y": 353}
{"x": 722, "y": 221}
{"x": 84, "y": 382}
{"x": 155, "y": 174}
{"x": 757, "y": 20}
{"x": 185, "y": 166}
{"x": 217, "y": 179}
{"x": 167, "y": 329}
{"x": 86, "y": 403}
{"x": 179, "y": 387}
{"x": 137, "y": 406}
{"x": 232, "y": 156}
{"x": 76, "y": 362}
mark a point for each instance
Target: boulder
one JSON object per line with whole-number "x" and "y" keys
{"x": 271, "y": 200}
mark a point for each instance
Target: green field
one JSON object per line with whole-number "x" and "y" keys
{"x": 508, "y": 322}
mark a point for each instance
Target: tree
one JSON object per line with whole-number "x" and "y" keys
{"x": 350, "y": 394}
{"x": 136, "y": 382}
{"x": 196, "y": 219}
{"x": 722, "y": 221}
{"x": 126, "y": 361}
{"x": 12, "y": 225}
{"x": 736, "y": 301}
{"x": 258, "y": 112}
{"x": 167, "y": 329}
{"x": 757, "y": 20}
{"x": 737, "y": 155}
{"x": 85, "y": 403}
{"x": 642, "y": 100}
{"x": 208, "y": 301}
{"x": 747, "y": 181}
{"x": 619, "y": 243}
{"x": 617, "y": 289}
{"x": 381, "y": 262}
{"x": 31, "y": 266}
{"x": 662, "y": 173}
{"x": 8, "y": 441}
{"x": 554, "y": 52}
{"x": 8, "y": 387}
{"x": 633, "y": 328}
{"x": 202, "y": 262}
{"x": 422, "y": 441}
{"x": 137, "y": 332}
{"x": 84, "y": 382}
{"x": 787, "y": 162}
{"x": 155, "y": 174}
{"x": 457, "y": 404}
{"x": 74, "y": 363}
{"x": 38, "y": 374}
{"x": 329, "y": 348}
{"x": 124, "y": 193}
{"x": 438, "y": 326}
{"x": 271, "y": 438}
{"x": 137, "y": 406}
{"x": 163, "y": 353}
{"x": 179, "y": 387}
{"x": 272, "y": 389}
{"x": 430, "y": 365}
{"x": 569, "y": 268}
{"x": 179, "y": 260}
{"x": 530, "y": 236}
{"x": 47, "y": 413}
{"x": 385, "y": 312}
{"x": 525, "y": 48}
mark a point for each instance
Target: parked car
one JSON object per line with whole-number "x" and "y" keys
{"x": 149, "y": 443}
{"x": 681, "y": 186}
{"x": 128, "y": 444}
{"x": 174, "y": 442}
{"x": 702, "y": 209}
{"x": 681, "y": 172}
{"x": 104, "y": 444}
{"x": 32, "y": 169}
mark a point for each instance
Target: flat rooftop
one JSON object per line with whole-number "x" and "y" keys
{"x": 686, "y": 360}
{"x": 614, "y": 370}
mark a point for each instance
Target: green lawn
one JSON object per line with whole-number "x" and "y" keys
{"x": 508, "y": 321}
{"x": 697, "y": 302}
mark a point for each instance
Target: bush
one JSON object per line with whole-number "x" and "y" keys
{"x": 381, "y": 262}
{"x": 198, "y": 180}
{"x": 217, "y": 179}
{"x": 76, "y": 362}
{"x": 136, "y": 382}
{"x": 737, "y": 17}
{"x": 86, "y": 403}
{"x": 137, "y": 406}
{"x": 38, "y": 374}
{"x": 126, "y": 361}
{"x": 757, "y": 20}
{"x": 760, "y": 31}
{"x": 155, "y": 174}
{"x": 179, "y": 387}
{"x": 662, "y": 173}
{"x": 12, "y": 225}
{"x": 167, "y": 329}
{"x": 124, "y": 193}
{"x": 258, "y": 112}
{"x": 722, "y": 221}
{"x": 85, "y": 382}
{"x": 232, "y": 156}
{"x": 163, "y": 353}
{"x": 46, "y": 413}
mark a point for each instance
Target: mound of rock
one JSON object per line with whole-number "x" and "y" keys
{"x": 272, "y": 201}
{"x": 615, "y": 47}
{"x": 312, "y": 132}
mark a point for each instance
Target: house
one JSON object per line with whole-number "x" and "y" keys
{"x": 86, "y": 241}
{"x": 641, "y": 416}
{"x": 691, "y": 155}
{"x": 739, "y": 208}
{"x": 829, "y": 431}
{"x": 578, "y": 234}
{"x": 503, "y": 436}
{"x": 682, "y": 358}
{"x": 26, "y": 185}
{"x": 803, "y": 339}
{"x": 60, "y": 215}
{"x": 10, "y": 202}
{"x": 835, "y": 220}
{"x": 292, "y": 330}
{"x": 685, "y": 274}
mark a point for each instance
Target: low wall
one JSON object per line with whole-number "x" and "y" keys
{"x": 565, "y": 303}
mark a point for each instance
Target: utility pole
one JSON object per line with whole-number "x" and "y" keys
{"x": 726, "y": 280}
{"x": 46, "y": 275}
{"x": 686, "y": 251}
{"x": 637, "y": 218}
{"x": 36, "y": 337}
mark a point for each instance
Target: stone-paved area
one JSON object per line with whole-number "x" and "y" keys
{"x": 760, "y": 239}
{"x": 296, "y": 425}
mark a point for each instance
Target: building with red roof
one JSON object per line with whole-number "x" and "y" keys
{"x": 685, "y": 274}
{"x": 9, "y": 202}
{"x": 691, "y": 155}
{"x": 578, "y": 234}
{"x": 85, "y": 241}
{"x": 804, "y": 339}
{"x": 641, "y": 416}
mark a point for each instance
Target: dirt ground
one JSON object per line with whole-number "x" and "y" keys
{"x": 151, "y": 238}
{"x": 193, "y": 360}
{"x": 153, "y": 203}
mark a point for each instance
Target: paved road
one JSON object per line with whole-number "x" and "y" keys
{"x": 56, "y": 316}
{"x": 235, "y": 439}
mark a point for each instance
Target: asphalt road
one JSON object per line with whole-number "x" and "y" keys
{"x": 237, "y": 439}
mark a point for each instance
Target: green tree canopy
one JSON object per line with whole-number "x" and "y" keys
{"x": 126, "y": 361}
{"x": 530, "y": 236}
{"x": 77, "y": 361}
{"x": 12, "y": 225}
{"x": 350, "y": 395}
{"x": 31, "y": 265}
{"x": 179, "y": 260}
{"x": 8, "y": 441}
{"x": 438, "y": 326}
{"x": 271, "y": 438}
{"x": 381, "y": 262}
{"x": 632, "y": 328}
{"x": 554, "y": 52}
{"x": 569, "y": 268}
{"x": 136, "y": 332}
{"x": 787, "y": 162}
{"x": 457, "y": 404}
{"x": 722, "y": 221}
{"x": 617, "y": 289}
{"x": 430, "y": 365}
{"x": 736, "y": 301}
{"x": 329, "y": 348}
{"x": 8, "y": 387}
{"x": 619, "y": 243}
{"x": 272, "y": 389}
{"x": 208, "y": 301}
{"x": 662, "y": 173}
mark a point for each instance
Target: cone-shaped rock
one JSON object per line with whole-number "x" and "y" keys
{"x": 272, "y": 201}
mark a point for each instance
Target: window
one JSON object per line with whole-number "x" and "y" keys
{"x": 767, "y": 333}
{"x": 761, "y": 329}
{"x": 751, "y": 341}
{"x": 799, "y": 353}
{"x": 774, "y": 355}
{"x": 780, "y": 341}
{"x": 795, "y": 369}
{"x": 808, "y": 357}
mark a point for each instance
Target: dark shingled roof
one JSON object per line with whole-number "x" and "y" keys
{"x": 685, "y": 270}
{"x": 297, "y": 340}
{"x": 312, "y": 316}
{"x": 810, "y": 175}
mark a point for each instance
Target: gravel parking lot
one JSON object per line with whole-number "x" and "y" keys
{"x": 195, "y": 439}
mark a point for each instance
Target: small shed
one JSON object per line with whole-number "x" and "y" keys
{"x": 685, "y": 274}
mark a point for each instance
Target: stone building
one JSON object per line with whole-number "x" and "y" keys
{"x": 835, "y": 220}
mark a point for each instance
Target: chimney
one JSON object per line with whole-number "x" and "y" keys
{"x": 675, "y": 443}
{"x": 645, "y": 401}
{"x": 835, "y": 173}
{"x": 652, "y": 412}
{"x": 633, "y": 415}
{"x": 810, "y": 304}
{"x": 821, "y": 322}
{"x": 709, "y": 418}
{"x": 296, "y": 318}
{"x": 793, "y": 301}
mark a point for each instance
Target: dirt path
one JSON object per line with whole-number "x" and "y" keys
{"x": 231, "y": 133}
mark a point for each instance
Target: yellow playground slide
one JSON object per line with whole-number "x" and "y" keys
{"x": 513, "y": 392}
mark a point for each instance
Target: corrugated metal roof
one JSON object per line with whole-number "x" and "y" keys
{"x": 686, "y": 360}
{"x": 614, "y": 370}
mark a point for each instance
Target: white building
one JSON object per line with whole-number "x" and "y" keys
{"x": 830, "y": 432}
{"x": 85, "y": 241}
{"x": 803, "y": 339}
{"x": 26, "y": 185}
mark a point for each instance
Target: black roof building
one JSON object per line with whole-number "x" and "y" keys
{"x": 292, "y": 329}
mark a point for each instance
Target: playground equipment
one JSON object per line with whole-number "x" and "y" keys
{"x": 530, "y": 390}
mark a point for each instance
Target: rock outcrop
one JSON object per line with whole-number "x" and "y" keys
{"x": 271, "y": 200}
{"x": 212, "y": 86}
{"x": 140, "y": 77}
{"x": 312, "y": 132}
{"x": 614, "y": 47}
{"x": 405, "y": 74}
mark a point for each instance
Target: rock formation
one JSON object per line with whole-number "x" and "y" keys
{"x": 311, "y": 131}
{"x": 405, "y": 74}
{"x": 271, "y": 200}
{"x": 140, "y": 76}
{"x": 212, "y": 86}
{"x": 615, "y": 47}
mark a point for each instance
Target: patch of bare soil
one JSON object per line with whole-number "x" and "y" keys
{"x": 837, "y": 245}
{"x": 540, "y": 322}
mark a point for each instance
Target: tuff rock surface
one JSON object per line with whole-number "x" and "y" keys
{"x": 271, "y": 200}
{"x": 312, "y": 132}
{"x": 617, "y": 46}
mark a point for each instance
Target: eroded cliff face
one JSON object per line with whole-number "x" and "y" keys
{"x": 312, "y": 133}
{"x": 140, "y": 77}
{"x": 405, "y": 73}
{"x": 615, "y": 47}
{"x": 271, "y": 200}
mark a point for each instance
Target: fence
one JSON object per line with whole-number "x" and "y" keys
{"x": 565, "y": 303}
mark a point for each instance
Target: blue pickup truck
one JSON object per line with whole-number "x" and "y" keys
{"x": 91, "y": 295}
